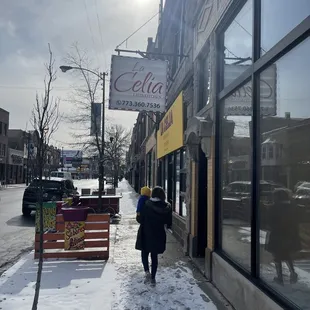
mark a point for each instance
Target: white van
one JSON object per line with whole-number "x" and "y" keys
{"x": 61, "y": 174}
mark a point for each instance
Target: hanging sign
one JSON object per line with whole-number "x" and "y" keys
{"x": 138, "y": 84}
{"x": 170, "y": 133}
{"x": 95, "y": 128}
{"x": 240, "y": 102}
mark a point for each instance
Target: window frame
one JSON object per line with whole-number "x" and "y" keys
{"x": 260, "y": 63}
{"x": 202, "y": 102}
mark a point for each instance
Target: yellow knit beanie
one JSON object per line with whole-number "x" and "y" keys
{"x": 146, "y": 191}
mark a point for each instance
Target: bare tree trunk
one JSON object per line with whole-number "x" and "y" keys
{"x": 40, "y": 264}
{"x": 45, "y": 121}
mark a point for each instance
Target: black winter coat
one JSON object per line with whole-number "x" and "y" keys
{"x": 151, "y": 234}
{"x": 283, "y": 238}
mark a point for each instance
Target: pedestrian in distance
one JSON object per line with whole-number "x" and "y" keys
{"x": 283, "y": 240}
{"x": 145, "y": 194}
{"x": 155, "y": 214}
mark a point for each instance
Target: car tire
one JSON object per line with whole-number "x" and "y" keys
{"x": 26, "y": 212}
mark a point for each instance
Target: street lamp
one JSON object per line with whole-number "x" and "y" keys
{"x": 102, "y": 77}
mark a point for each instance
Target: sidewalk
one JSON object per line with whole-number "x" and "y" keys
{"x": 12, "y": 186}
{"x": 116, "y": 284}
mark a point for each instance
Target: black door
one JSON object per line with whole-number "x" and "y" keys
{"x": 202, "y": 204}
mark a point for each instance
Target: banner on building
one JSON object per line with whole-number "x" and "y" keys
{"x": 170, "y": 133}
{"x": 138, "y": 84}
{"x": 49, "y": 216}
{"x": 95, "y": 126}
{"x": 74, "y": 235}
{"x": 240, "y": 102}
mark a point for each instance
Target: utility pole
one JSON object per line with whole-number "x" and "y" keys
{"x": 28, "y": 158}
{"x": 101, "y": 159}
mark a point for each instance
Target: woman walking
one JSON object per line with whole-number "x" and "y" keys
{"x": 151, "y": 238}
{"x": 283, "y": 240}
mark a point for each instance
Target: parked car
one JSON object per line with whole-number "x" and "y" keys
{"x": 301, "y": 185}
{"x": 109, "y": 180}
{"x": 242, "y": 189}
{"x": 54, "y": 189}
{"x": 302, "y": 196}
{"x": 61, "y": 174}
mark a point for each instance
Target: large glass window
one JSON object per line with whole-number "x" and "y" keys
{"x": 177, "y": 182}
{"x": 183, "y": 181}
{"x": 236, "y": 177}
{"x": 205, "y": 80}
{"x": 285, "y": 193}
{"x": 166, "y": 163}
{"x": 279, "y": 18}
{"x": 238, "y": 44}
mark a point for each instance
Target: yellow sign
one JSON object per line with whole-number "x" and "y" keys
{"x": 74, "y": 235}
{"x": 49, "y": 216}
{"x": 170, "y": 133}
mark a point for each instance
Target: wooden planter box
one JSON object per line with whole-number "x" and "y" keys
{"x": 97, "y": 239}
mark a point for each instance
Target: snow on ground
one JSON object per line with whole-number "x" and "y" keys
{"x": 176, "y": 289}
{"x": 97, "y": 285}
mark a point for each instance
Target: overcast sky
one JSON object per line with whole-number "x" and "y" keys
{"x": 27, "y": 26}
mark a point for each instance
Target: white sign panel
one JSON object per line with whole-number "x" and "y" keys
{"x": 240, "y": 102}
{"x": 70, "y": 154}
{"x": 138, "y": 84}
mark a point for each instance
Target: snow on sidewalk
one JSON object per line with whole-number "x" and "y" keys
{"x": 97, "y": 285}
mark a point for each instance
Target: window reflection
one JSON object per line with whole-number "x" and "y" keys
{"x": 236, "y": 178}
{"x": 279, "y": 18}
{"x": 285, "y": 203}
{"x": 166, "y": 161}
{"x": 238, "y": 44}
{"x": 177, "y": 183}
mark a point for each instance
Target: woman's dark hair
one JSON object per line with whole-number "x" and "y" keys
{"x": 159, "y": 193}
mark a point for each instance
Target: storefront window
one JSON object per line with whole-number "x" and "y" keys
{"x": 205, "y": 80}
{"x": 279, "y": 18}
{"x": 236, "y": 177}
{"x": 166, "y": 162}
{"x": 183, "y": 182}
{"x": 177, "y": 182}
{"x": 149, "y": 169}
{"x": 238, "y": 44}
{"x": 285, "y": 185}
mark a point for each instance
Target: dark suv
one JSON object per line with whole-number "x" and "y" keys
{"x": 54, "y": 189}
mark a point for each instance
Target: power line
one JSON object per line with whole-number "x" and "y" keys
{"x": 20, "y": 87}
{"x": 101, "y": 37}
{"x": 91, "y": 31}
{"x": 137, "y": 30}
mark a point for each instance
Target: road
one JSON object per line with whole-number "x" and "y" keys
{"x": 17, "y": 232}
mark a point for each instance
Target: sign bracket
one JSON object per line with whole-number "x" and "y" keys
{"x": 154, "y": 122}
{"x": 147, "y": 54}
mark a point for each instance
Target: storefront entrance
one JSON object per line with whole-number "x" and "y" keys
{"x": 202, "y": 205}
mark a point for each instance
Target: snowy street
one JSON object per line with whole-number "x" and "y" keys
{"x": 16, "y": 231}
{"x": 116, "y": 284}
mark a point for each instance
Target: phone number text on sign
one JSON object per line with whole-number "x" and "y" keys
{"x": 138, "y": 104}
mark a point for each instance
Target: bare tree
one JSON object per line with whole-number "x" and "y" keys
{"x": 115, "y": 150}
{"x": 82, "y": 99}
{"x": 45, "y": 121}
